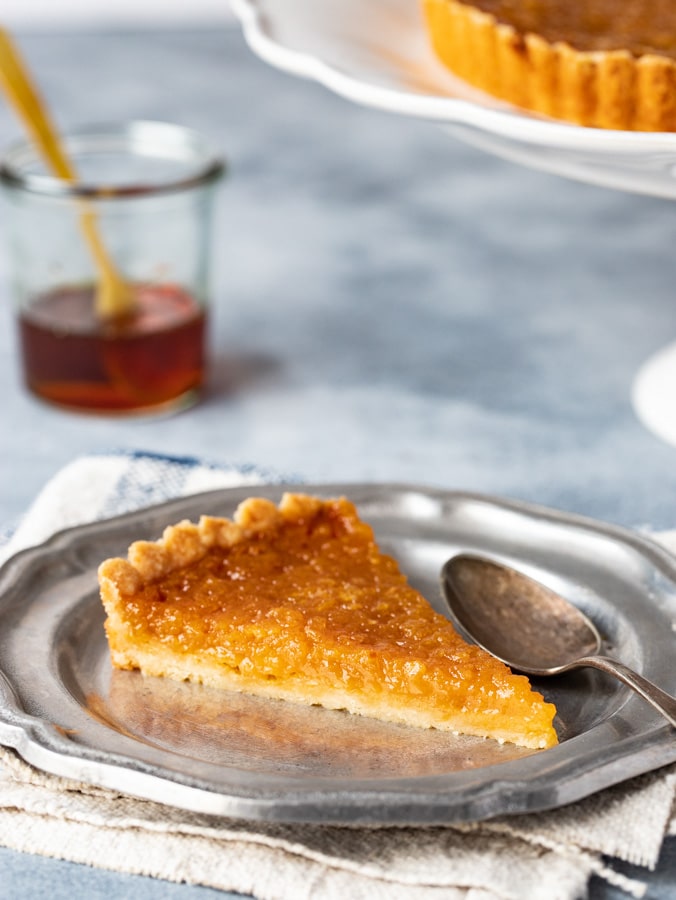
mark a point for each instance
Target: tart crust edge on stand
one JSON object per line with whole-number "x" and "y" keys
{"x": 610, "y": 89}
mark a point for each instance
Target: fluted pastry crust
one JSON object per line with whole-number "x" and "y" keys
{"x": 619, "y": 88}
{"x": 297, "y": 602}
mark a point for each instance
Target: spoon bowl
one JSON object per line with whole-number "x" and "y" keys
{"x": 530, "y": 627}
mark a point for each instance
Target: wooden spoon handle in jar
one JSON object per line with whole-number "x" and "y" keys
{"x": 113, "y": 297}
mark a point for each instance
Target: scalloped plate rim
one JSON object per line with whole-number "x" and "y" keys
{"x": 510, "y": 124}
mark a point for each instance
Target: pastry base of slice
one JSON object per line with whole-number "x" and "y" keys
{"x": 297, "y": 602}
{"x": 598, "y": 88}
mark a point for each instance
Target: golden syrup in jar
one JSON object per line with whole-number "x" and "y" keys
{"x": 148, "y": 360}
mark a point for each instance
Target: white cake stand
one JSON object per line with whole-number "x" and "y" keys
{"x": 377, "y": 53}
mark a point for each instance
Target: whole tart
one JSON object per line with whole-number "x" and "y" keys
{"x": 296, "y": 602}
{"x": 599, "y": 63}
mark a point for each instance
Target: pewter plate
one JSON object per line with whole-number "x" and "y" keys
{"x": 66, "y": 712}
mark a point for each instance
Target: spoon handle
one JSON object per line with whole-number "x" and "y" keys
{"x": 663, "y": 702}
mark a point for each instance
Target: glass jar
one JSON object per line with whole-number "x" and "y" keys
{"x": 111, "y": 273}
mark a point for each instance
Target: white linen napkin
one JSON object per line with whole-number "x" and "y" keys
{"x": 524, "y": 857}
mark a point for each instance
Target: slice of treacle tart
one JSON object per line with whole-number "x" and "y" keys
{"x": 297, "y": 602}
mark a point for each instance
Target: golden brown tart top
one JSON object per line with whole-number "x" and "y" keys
{"x": 639, "y": 26}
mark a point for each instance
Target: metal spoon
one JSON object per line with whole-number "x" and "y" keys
{"x": 530, "y": 627}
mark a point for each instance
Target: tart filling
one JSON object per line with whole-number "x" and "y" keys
{"x": 297, "y": 602}
{"x": 592, "y": 62}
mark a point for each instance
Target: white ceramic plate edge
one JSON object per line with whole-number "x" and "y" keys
{"x": 513, "y": 125}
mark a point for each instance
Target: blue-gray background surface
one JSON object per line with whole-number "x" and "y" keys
{"x": 389, "y": 304}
